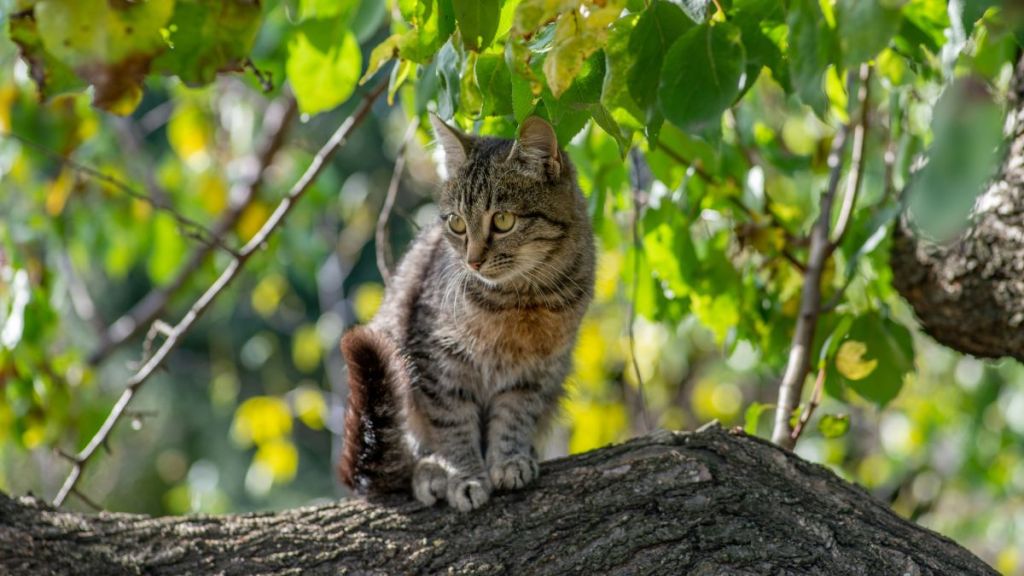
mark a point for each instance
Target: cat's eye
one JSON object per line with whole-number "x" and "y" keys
{"x": 456, "y": 224}
{"x": 504, "y": 221}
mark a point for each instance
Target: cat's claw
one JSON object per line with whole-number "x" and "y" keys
{"x": 468, "y": 493}
{"x": 429, "y": 482}
{"x": 516, "y": 472}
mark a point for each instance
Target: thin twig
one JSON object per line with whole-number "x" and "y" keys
{"x": 206, "y": 299}
{"x": 798, "y": 366}
{"x": 383, "y": 247}
{"x": 856, "y": 174}
{"x": 812, "y": 405}
{"x": 638, "y": 204}
{"x": 88, "y": 501}
{"x": 188, "y": 226}
{"x": 695, "y": 166}
{"x": 276, "y": 121}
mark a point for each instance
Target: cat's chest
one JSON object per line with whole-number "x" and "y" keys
{"x": 511, "y": 338}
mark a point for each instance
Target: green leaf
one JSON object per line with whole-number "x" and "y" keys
{"x": 752, "y": 417}
{"x": 205, "y": 37}
{"x": 834, "y": 425}
{"x": 52, "y": 77}
{"x": 109, "y": 45}
{"x": 812, "y": 46}
{"x": 656, "y": 30}
{"x": 702, "y": 76}
{"x": 478, "y": 21}
{"x": 619, "y": 62}
{"x": 865, "y": 28}
{"x": 968, "y": 128}
{"x": 168, "y": 251}
{"x": 872, "y": 359}
{"x": 495, "y": 82}
{"x": 448, "y": 81}
{"x": 323, "y": 65}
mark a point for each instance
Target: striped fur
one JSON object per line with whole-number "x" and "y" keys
{"x": 466, "y": 366}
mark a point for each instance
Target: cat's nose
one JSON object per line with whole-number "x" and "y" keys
{"x": 475, "y": 264}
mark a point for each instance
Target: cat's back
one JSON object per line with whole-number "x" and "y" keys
{"x": 408, "y": 283}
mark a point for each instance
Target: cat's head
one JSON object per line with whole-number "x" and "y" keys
{"x": 507, "y": 205}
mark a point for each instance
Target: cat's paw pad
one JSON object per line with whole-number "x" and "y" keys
{"x": 468, "y": 493}
{"x": 515, "y": 472}
{"x": 429, "y": 482}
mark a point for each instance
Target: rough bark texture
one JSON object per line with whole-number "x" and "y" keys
{"x": 969, "y": 294}
{"x": 712, "y": 502}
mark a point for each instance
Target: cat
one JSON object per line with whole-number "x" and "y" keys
{"x": 463, "y": 367}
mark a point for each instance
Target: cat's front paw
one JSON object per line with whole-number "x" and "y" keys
{"x": 515, "y": 472}
{"x": 468, "y": 492}
{"x": 429, "y": 481}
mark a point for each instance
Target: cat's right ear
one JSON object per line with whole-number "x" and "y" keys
{"x": 455, "y": 144}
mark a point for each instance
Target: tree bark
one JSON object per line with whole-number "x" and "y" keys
{"x": 705, "y": 503}
{"x": 969, "y": 293}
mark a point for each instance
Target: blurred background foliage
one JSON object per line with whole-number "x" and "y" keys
{"x": 126, "y": 129}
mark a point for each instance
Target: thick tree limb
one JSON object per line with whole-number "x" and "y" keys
{"x": 174, "y": 334}
{"x": 705, "y": 503}
{"x": 969, "y": 293}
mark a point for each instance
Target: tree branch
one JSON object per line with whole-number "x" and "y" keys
{"x": 230, "y": 272}
{"x": 856, "y": 159}
{"x": 383, "y": 247}
{"x": 278, "y": 117}
{"x": 705, "y": 503}
{"x": 821, "y": 247}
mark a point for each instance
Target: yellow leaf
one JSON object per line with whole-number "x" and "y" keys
{"x": 33, "y": 436}
{"x": 251, "y": 220}
{"x": 306, "y": 350}
{"x": 189, "y": 133}
{"x": 594, "y": 424}
{"x": 310, "y": 407}
{"x": 261, "y": 419}
{"x": 213, "y": 192}
{"x": 266, "y": 296}
{"x": 58, "y": 192}
{"x": 367, "y": 300}
{"x": 280, "y": 457}
{"x": 850, "y": 360}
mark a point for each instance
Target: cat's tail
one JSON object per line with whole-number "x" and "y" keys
{"x": 376, "y": 457}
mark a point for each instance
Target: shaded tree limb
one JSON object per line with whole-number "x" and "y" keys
{"x": 969, "y": 293}
{"x": 706, "y": 503}
{"x": 822, "y": 245}
{"x": 277, "y": 120}
{"x": 175, "y": 333}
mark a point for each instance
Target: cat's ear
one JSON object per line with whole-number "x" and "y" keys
{"x": 537, "y": 147}
{"x": 455, "y": 144}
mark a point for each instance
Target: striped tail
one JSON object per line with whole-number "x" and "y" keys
{"x": 376, "y": 457}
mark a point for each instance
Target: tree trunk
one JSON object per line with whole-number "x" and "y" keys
{"x": 711, "y": 502}
{"x": 969, "y": 294}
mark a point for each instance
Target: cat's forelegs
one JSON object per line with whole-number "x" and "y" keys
{"x": 447, "y": 422}
{"x": 515, "y": 416}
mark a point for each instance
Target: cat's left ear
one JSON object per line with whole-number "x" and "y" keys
{"x": 537, "y": 147}
{"x": 455, "y": 144}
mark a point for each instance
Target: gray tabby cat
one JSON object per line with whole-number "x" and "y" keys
{"x": 464, "y": 364}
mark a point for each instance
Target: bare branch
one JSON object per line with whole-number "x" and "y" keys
{"x": 856, "y": 160}
{"x": 639, "y": 186}
{"x": 276, "y": 121}
{"x": 383, "y": 247}
{"x": 821, "y": 247}
{"x": 206, "y": 299}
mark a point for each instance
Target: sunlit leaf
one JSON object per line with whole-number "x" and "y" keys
{"x": 323, "y": 65}
{"x": 834, "y": 425}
